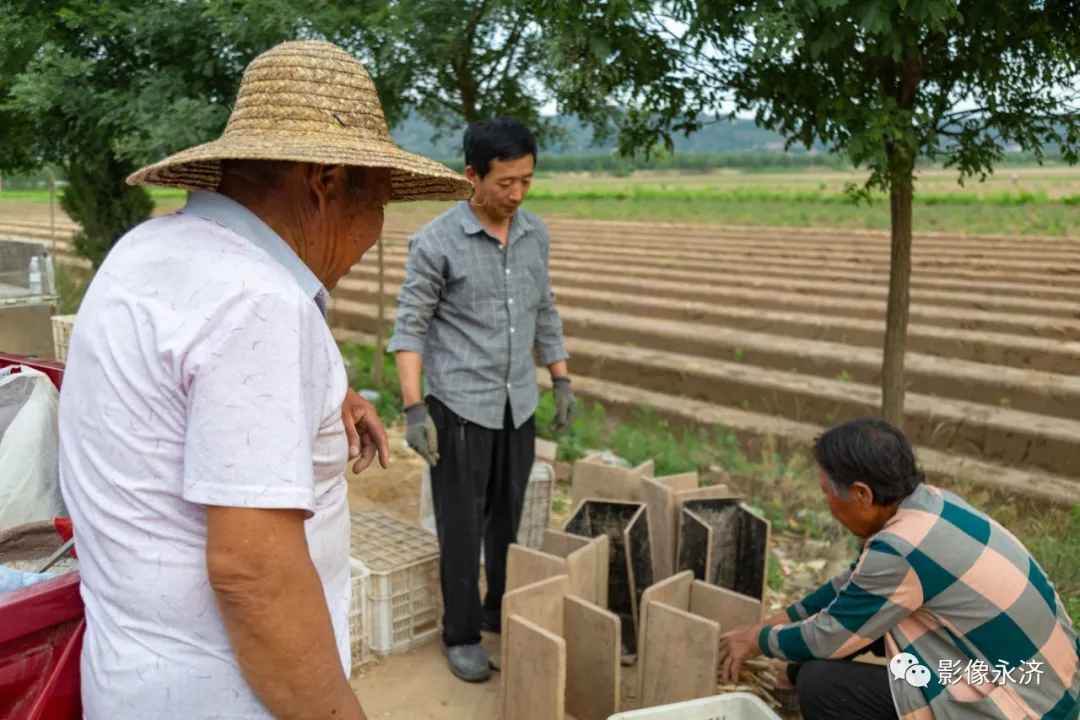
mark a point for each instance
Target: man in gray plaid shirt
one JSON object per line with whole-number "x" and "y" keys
{"x": 476, "y": 302}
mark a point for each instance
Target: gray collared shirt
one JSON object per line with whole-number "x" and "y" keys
{"x": 230, "y": 214}
{"x": 475, "y": 310}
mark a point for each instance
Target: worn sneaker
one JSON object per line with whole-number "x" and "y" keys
{"x": 468, "y": 662}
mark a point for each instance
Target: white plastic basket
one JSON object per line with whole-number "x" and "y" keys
{"x": 535, "y": 514}
{"x": 403, "y": 588}
{"x": 358, "y": 640}
{"x": 61, "y": 326}
{"x": 730, "y": 706}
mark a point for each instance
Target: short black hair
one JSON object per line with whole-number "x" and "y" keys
{"x": 501, "y": 138}
{"x": 871, "y": 451}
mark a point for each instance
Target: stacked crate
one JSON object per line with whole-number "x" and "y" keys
{"x": 403, "y": 590}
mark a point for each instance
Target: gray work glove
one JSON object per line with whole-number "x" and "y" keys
{"x": 565, "y": 407}
{"x": 421, "y": 434}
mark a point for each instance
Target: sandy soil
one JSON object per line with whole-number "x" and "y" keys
{"x": 396, "y": 491}
{"x": 418, "y": 686}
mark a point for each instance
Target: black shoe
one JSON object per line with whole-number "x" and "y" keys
{"x": 489, "y": 625}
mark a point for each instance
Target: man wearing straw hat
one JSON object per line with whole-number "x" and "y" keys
{"x": 204, "y": 413}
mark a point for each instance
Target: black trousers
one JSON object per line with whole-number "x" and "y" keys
{"x": 844, "y": 690}
{"x": 478, "y": 490}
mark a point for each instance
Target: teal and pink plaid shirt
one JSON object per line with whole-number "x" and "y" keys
{"x": 954, "y": 589}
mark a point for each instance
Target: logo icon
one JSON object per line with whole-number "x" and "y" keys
{"x": 906, "y": 667}
{"x": 918, "y": 675}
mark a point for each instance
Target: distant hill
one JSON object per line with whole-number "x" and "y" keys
{"x": 722, "y": 137}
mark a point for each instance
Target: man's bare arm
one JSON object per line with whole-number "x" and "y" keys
{"x": 409, "y": 366}
{"x": 275, "y": 613}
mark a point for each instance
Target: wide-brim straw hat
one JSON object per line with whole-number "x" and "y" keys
{"x": 311, "y": 102}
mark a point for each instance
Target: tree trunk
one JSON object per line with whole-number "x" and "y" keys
{"x": 380, "y": 325}
{"x": 98, "y": 198}
{"x": 52, "y": 208}
{"x": 896, "y": 314}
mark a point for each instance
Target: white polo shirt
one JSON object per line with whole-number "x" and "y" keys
{"x": 200, "y": 372}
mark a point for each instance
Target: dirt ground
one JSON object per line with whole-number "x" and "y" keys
{"x": 418, "y": 686}
{"x": 395, "y": 491}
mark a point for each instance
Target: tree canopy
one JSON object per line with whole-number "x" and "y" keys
{"x": 101, "y": 87}
{"x": 458, "y": 61}
{"x": 882, "y": 81}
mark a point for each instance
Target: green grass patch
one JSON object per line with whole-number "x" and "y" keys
{"x": 1048, "y": 219}
{"x": 160, "y": 196}
{"x": 775, "y": 573}
{"x": 652, "y": 193}
{"x": 360, "y": 366}
{"x": 1045, "y": 204}
{"x": 71, "y": 285}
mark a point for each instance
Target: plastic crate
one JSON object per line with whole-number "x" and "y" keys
{"x": 358, "y": 640}
{"x": 403, "y": 588}
{"x": 535, "y": 514}
{"x": 730, "y": 706}
{"x": 61, "y": 327}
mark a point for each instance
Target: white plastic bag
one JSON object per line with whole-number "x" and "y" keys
{"x": 29, "y": 448}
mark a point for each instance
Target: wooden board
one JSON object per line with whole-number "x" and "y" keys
{"x": 593, "y": 649}
{"x": 711, "y": 492}
{"x": 586, "y": 563}
{"x": 660, "y": 500}
{"x": 682, "y": 481}
{"x": 534, "y": 672}
{"x": 588, "y": 570}
{"x": 597, "y": 518}
{"x": 639, "y": 566}
{"x": 740, "y": 545}
{"x": 695, "y": 546}
{"x": 546, "y": 450}
{"x": 561, "y": 544}
{"x": 541, "y": 604}
{"x": 681, "y": 656}
{"x": 717, "y": 477}
{"x": 600, "y": 481}
{"x": 602, "y": 558}
{"x": 673, "y": 592}
{"x": 726, "y": 607}
{"x": 525, "y": 566}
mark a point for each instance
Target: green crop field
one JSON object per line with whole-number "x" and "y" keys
{"x": 1022, "y": 201}
{"x": 1041, "y": 201}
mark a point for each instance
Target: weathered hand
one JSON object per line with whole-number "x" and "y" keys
{"x": 421, "y": 434}
{"x": 737, "y": 646}
{"x": 367, "y": 436}
{"x": 565, "y": 406}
